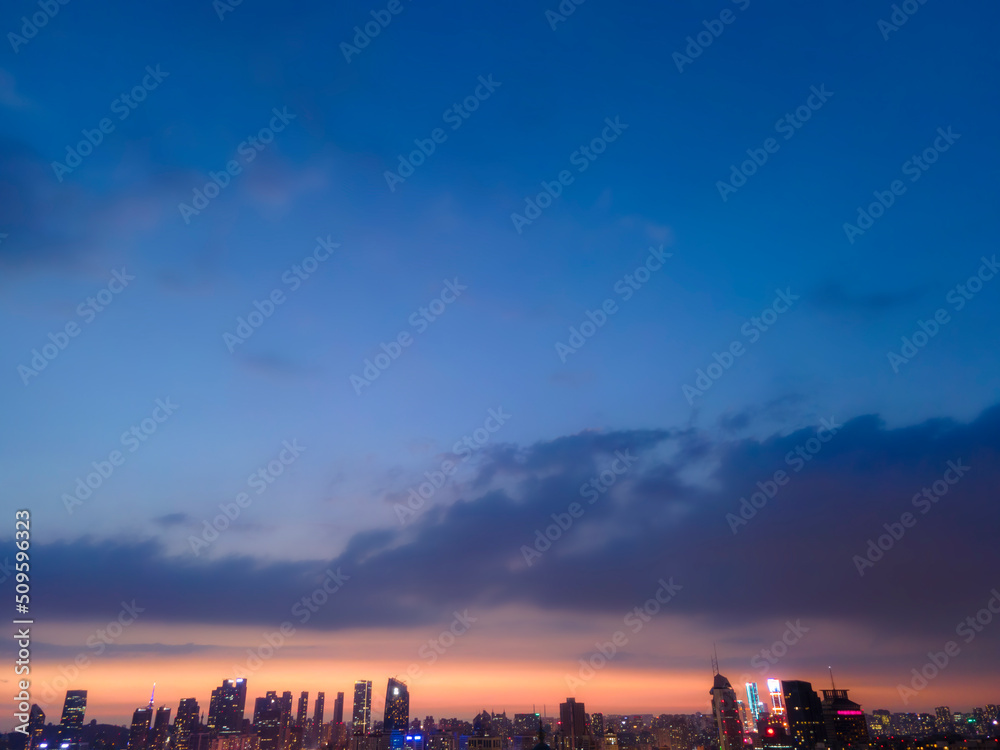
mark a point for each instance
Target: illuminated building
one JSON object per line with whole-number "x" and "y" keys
{"x": 185, "y": 723}
{"x": 397, "y": 707}
{"x": 74, "y": 708}
{"x": 727, "y": 717}
{"x": 597, "y": 724}
{"x": 943, "y": 719}
{"x": 526, "y": 725}
{"x": 777, "y": 700}
{"x": 753, "y": 700}
{"x": 227, "y": 706}
{"x": 845, "y": 721}
{"x": 36, "y": 724}
{"x": 138, "y": 735}
{"x": 881, "y": 723}
{"x": 362, "y": 718}
{"x": 772, "y": 734}
{"x": 160, "y": 728}
{"x": 804, "y": 717}
{"x": 267, "y": 721}
{"x": 315, "y": 726}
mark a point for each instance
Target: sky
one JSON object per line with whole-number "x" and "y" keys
{"x": 502, "y": 320}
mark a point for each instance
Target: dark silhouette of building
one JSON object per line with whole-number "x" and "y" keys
{"x": 844, "y": 721}
{"x": 185, "y": 723}
{"x": 573, "y": 724}
{"x": 804, "y": 710}
{"x": 316, "y": 727}
{"x": 397, "y": 707}
{"x": 727, "y": 714}
{"x": 227, "y": 706}
{"x": 74, "y": 709}
{"x": 362, "y": 719}
{"x": 160, "y": 729}
{"x": 338, "y": 709}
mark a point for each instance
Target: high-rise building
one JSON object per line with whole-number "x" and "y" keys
{"x": 753, "y": 700}
{"x": 185, "y": 723}
{"x": 74, "y": 709}
{"x": 36, "y": 725}
{"x": 160, "y": 728}
{"x": 300, "y": 716}
{"x": 573, "y": 724}
{"x": 844, "y": 720}
{"x": 226, "y": 709}
{"x": 338, "y": 709}
{"x": 597, "y": 724}
{"x": 804, "y": 714}
{"x": 777, "y": 700}
{"x": 362, "y": 718}
{"x": 286, "y": 720}
{"x": 138, "y": 735}
{"x": 315, "y": 727}
{"x": 267, "y": 721}
{"x": 397, "y": 707}
{"x": 727, "y": 718}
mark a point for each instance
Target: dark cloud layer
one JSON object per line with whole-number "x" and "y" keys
{"x": 665, "y": 517}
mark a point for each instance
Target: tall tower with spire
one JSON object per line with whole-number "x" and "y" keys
{"x": 726, "y": 709}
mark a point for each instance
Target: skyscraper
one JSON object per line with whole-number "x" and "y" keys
{"x": 185, "y": 723}
{"x": 138, "y": 735}
{"x": 74, "y": 709}
{"x": 338, "y": 709}
{"x": 727, "y": 718}
{"x": 267, "y": 721}
{"x": 777, "y": 701}
{"x": 226, "y": 709}
{"x": 944, "y": 719}
{"x": 161, "y": 725}
{"x": 573, "y": 724}
{"x": 805, "y": 714}
{"x": 753, "y": 700}
{"x": 397, "y": 707}
{"x": 286, "y": 720}
{"x": 362, "y": 719}
{"x": 316, "y": 726}
{"x": 36, "y": 725}
{"x": 844, "y": 721}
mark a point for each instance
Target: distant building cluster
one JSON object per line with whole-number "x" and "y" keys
{"x": 777, "y": 715}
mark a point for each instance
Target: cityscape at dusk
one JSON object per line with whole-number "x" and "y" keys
{"x": 562, "y": 372}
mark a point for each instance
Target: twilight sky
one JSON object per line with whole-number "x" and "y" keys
{"x": 769, "y": 266}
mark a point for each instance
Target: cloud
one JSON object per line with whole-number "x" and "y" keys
{"x": 665, "y": 516}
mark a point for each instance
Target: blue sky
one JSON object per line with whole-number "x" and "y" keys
{"x": 323, "y": 176}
